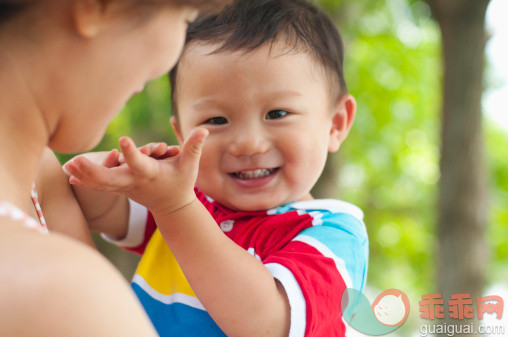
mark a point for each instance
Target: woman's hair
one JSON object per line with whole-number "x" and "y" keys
{"x": 10, "y": 8}
{"x": 199, "y": 4}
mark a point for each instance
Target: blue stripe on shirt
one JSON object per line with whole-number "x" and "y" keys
{"x": 177, "y": 319}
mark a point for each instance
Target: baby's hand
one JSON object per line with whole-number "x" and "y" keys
{"x": 114, "y": 158}
{"x": 153, "y": 150}
{"x": 159, "y": 177}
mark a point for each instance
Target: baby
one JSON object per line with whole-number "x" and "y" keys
{"x": 232, "y": 242}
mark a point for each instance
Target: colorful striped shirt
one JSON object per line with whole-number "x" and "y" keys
{"x": 315, "y": 248}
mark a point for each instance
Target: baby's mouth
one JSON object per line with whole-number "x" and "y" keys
{"x": 254, "y": 174}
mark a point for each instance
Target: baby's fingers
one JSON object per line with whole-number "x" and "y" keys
{"x": 192, "y": 147}
{"x": 137, "y": 161}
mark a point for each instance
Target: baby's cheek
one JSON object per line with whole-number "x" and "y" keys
{"x": 205, "y": 176}
{"x": 300, "y": 179}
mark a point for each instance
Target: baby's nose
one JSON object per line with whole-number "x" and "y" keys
{"x": 248, "y": 142}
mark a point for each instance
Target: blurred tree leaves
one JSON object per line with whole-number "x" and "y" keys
{"x": 390, "y": 159}
{"x": 497, "y": 147}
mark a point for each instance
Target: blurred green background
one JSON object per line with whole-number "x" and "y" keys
{"x": 389, "y": 164}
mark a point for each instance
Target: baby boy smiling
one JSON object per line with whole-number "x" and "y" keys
{"x": 271, "y": 119}
{"x": 249, "y": 251}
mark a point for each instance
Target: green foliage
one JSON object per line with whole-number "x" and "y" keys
{"x": 497, "y": 155}
{"x": 390, "y": 159}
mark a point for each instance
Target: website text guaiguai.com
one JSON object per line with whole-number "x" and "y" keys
{"x": 452, "y": 329}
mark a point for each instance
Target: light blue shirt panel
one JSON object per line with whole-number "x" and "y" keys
{"x": 345, "y": 243}
{"x": 345, "y": 236}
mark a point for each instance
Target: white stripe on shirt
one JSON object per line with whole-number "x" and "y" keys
{"x": 325, "y": 251}
{"x": 138, "y": 215}
{"x": 167, "y": 299}
{"x": 295, "y": 297}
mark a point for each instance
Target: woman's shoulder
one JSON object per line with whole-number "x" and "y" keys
{"x": 56, "y": 284}
{"x": 34, "y": 258}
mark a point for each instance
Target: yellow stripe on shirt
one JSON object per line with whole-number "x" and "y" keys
{"x": 160, "y": 270}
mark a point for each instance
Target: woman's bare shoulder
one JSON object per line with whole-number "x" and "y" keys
{"x": 55, "y": 285}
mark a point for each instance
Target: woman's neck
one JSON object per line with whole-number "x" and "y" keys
{"x": 23, "y": 136}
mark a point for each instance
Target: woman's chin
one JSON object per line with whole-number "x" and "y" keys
{"x": 74, "y": 144}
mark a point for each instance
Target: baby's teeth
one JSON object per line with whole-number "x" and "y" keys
{"x": 254, "y": 174}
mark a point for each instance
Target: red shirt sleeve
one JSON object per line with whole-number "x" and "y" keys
{"x": 314, "y": 285}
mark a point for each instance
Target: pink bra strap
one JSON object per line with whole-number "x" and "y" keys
{"x": 12, "y": 212}
{"x": 35, "y": 200}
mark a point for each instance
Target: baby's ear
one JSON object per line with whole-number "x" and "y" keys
{"x": 176, "y": 129}
{"x": 342, "y": 119}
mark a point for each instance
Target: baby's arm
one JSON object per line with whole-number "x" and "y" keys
{"x": 59, "y": 206}
{"x": 237, "y": 290}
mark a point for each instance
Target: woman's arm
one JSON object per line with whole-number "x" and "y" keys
{"x": 61, "y": 210}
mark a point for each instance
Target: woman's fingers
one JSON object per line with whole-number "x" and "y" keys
{"x": 155, "y": 150}
{"x": 75, "y": 181}
{"x": 159, "y": 150}
{"x": 111, "y": 159}
{"x": 171, "y": 152}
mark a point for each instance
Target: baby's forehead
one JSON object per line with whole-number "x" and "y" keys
{"x": 262, "y": 56}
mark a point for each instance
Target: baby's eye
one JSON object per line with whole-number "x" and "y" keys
{"x": 216, "y": 121}
{"x": 276, "y": 114}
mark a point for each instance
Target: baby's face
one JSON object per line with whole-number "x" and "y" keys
{"x": 270, "y": 118}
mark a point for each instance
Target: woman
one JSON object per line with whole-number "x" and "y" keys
{"x": 66, "y": 67}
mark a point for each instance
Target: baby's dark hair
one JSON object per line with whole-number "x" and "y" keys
{"x": 246, "y": 25}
